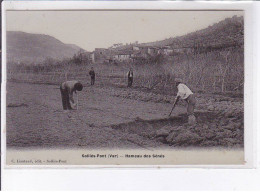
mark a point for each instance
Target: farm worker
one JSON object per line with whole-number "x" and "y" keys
{"x": 67, "y": 89}
{"x": 130, "y": 76}
{"x": 92, "y": 75}
{"x": 186, "y": 94}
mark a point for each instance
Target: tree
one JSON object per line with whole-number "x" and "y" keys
{"x": 224, "y": 67}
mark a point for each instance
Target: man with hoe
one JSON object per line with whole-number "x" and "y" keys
{"x": 186, "y": 94}
{"x": 67, "y": 89}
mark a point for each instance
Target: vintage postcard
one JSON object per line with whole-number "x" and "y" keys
{"x": 124, "y": 87}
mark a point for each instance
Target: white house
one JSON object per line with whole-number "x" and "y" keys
{"x": 123, "y": 55}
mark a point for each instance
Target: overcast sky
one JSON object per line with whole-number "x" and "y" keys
{"x": 101, "y": 29}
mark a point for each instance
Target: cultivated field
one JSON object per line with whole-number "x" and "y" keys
{"x": 113, "y": 116}
{"x": 110, "y": 115}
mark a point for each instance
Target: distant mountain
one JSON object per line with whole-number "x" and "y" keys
{"x": 26, "y": 47}
{"x": 229, "y": 32}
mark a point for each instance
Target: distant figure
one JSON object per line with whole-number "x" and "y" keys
{"x": 92, "y": 76}
{"x": 186, "y": 94}
{"x": 130, "y": 76}
{"x": 67, "y": 89}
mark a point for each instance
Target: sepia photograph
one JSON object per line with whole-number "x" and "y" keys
{"x": 115, "y": 87}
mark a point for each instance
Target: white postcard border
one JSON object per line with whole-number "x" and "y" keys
{"x": 165, "y": 5}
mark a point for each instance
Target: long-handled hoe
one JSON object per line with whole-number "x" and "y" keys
{"x": 172, "y": 109}
{"x": 77, "y": 101}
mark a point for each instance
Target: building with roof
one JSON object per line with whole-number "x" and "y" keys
{"x": 123, "y": 55}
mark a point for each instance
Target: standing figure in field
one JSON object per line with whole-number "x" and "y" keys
{"x": 186, "y": 94}
{"x": 92, "y": 76}
{"x": 130, "y": 76}
{"x": 67, "y": 89}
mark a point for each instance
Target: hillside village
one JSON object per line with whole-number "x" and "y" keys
{"x": 226, "y": 34}
{"x": 112, "y": 114}
{"x": 128, "y": 53}
{"x": 35, "y": 48}
{"x": 211, "y": 59}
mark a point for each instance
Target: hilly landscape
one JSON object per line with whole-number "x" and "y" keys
{"x": 31, "y": 48}
{"x": 226, "y": 33}
{"x": 111, "y": 115}
{"x": 35, "y": 48}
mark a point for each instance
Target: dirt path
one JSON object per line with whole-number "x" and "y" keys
{"x": 40, "y": 121}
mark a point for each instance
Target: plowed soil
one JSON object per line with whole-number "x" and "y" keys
{"x": 118, "y": 117}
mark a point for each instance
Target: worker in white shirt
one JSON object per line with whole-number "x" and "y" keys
{"x": 186, "y": 94}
